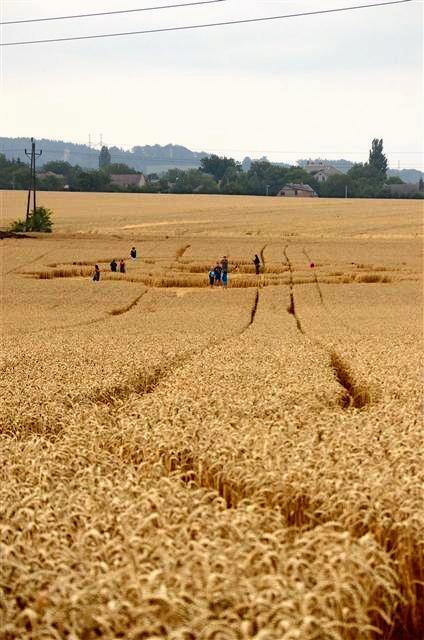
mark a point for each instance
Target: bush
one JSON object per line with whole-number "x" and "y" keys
{"x": 39, "y": 220}
{"x": 17, "y": 226}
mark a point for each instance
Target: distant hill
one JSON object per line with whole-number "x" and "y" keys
{"x": 407, "y": 175}
{"x": 149, "y": 159}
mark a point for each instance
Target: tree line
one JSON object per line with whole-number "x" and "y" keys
{"x": 216, "y": 175}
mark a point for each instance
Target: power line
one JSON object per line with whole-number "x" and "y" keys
{"x": 207, "y": 25}
{"x": 110, "y": 13}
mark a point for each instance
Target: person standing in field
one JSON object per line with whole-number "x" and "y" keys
{"x": 257, "y": 263}
{"x": 211, "y": 276}
{"x": 96, "y": 274}
{"x": 133, "y": 253}
{"x": 218, "y": 271}
{"x": 224, "y": 275}
{"x": 122, "y": 267}
{"x": 113, "y": 265}
{"x": 224, "y": 264}
{"x": 224, "y": 278}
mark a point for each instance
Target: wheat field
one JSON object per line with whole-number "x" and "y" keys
{"x": 184, "y": 463}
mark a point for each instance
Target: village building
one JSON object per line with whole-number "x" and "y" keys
{"x": 320, "y": 171}
{"x": 128, "y": 180}
{"x": 297, "y": 191}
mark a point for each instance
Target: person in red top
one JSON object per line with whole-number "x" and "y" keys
{"x": 122, "y": 267}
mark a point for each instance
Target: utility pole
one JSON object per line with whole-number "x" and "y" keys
{"x": 33, "y": 185}
{"x": 345, "y": 190}
{"x": 267, "y": 189}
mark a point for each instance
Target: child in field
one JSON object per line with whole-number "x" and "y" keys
{"x": 133, "y": 253}
{"x": 211, "y": 276}
{"x": 96, "y": 274}
{"x": 122, "y": 267}
{"x": 113, "y": 265}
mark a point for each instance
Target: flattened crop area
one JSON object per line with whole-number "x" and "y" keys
{"x": 189, "y": 463}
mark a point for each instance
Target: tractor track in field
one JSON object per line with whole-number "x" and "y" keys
{"x": 86, "y": 323}
{"x": 323, "y": 302}
{"x": 192, "y": 469}
{"x": 141, "y": 383}
{"x": 121, "y": 310}
{"x": 181, "y": 251}
{"x": 262, "y": 254}
{"x": 355, "y": 395}
{"x": 253, "y": 312}
{"x": 315, "y": 276}
{"x": 292, "y": 307}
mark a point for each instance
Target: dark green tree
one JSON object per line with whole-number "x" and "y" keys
{"x": 421, "y": 185}
{"x": 14, "y": 174}
{"x": 104, "y": 158}
{"x": 377, "y": 159}
{"x": 191, "y": 181}
{"x": 50, "y": 183}
{"x": 234, "y": 182}
{"x": 81, "y": 180}
{"x": 118, "y": 168}
{"x": 335, "y": 186}
{"x": 265, "y": 177}
{"x": 216, "y": 166}
{"x": 58, "y": 166}
{"x": 367, "y": 181}
{"x": 364, "y": 170}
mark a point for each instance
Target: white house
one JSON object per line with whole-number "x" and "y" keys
{"x": 320, "y": 171}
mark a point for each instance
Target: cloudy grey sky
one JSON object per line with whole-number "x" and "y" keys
{"x": 311, "y": 86}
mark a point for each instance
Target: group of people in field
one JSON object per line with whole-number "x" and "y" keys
{"x": 114, "y": 266}
{"x": 122, "y": 266}
{"x": 218, "y": 274}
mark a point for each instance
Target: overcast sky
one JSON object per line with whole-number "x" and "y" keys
{"x": 302, "y": 87}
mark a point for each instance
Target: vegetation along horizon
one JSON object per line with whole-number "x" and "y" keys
{"x": 197, "y": 463}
